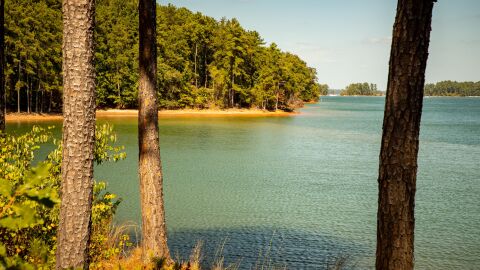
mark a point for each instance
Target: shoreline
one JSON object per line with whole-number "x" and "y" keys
{"x": 115, "y": 113}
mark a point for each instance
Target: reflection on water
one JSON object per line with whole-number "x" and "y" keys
{"x": 293, "y": 249}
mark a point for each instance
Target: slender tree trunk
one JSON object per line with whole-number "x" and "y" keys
{"x": 196, "y": 77}
{"x": 154, "y": 231}
{"x": 28, "y": 96}
{"x": 50, "y": 102}
{"x": 18, "y": 89}
{"x": 36, "y": 97}
{"x": 278, "y": 93}
{"x": 401, "y": 128}
{"x": 78, "y": 134}
{"x": 206, "y": 67}
{"x": 2, "y": 67}
{"x": 232, "y": 93}
{"x": 119, "y": 96}
{"x": 42, "y": 99}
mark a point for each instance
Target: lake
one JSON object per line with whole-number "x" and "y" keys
{"x": 301, "y": 191}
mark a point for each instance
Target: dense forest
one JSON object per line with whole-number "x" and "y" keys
{"x": 202, "y": 62}
{"x": 361, "y": 89}
{"x": 453, "y": 88}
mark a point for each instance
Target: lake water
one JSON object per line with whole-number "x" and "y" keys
{"x": 301, "y": 191}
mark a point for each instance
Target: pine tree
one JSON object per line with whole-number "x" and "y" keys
{"x": 154, "y": 230}
{"x": 78, "y": 134}
{"x": 401, "y": 128}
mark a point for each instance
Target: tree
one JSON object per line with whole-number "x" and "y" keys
{"x": 360, "y": 89}
{"x": 154, "y": 231}
{"x": 202, "y": 62}
{"x": 401, "y": 128}
{"x": 78, "y": 134}
{"x": 453, "y": 88}
{"x": 2, "y": 67}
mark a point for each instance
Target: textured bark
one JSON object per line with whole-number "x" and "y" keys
{"x": 78, "y": 134}
{"x": 401, "y": 127}
{"x": 2, "y": 66}
{"x": 149, "y": 166}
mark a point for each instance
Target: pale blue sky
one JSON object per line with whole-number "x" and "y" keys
{"x": 349, "y": 40}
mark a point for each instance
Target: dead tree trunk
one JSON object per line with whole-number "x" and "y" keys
{"x": 78, "y": 134}
{"x": 154, "y": 231}
{"x": 401, "y": 127}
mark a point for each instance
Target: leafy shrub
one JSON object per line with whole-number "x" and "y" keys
{"x": 29, "y": 199}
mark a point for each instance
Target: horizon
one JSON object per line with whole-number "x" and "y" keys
{"x": 353, "y": 45}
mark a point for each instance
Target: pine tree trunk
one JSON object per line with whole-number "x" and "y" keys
{"x": 232, "y": 93}
{"x": 78, "y": 134}
{"x": 401, "y": 128}
{"x": 2, "y": 67}
{"x": 18, "y": 89}
{"x": 154, "y": 231}
{"x": 50, "y": 101}
{"x": 42, "y": 100}
{"x": 28, "y": 96}
{"x": 120, "y": 106}
{"x": 196, "y": 77}
{"x": 36, "y": 97}
{"x": 205, "y": 66}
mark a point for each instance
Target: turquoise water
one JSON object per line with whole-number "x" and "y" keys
{"x": 302, "y": 190}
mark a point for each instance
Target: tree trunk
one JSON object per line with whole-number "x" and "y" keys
{"x": 2, "y": 67}
{"x": 401, "y": 127}
{"x": 42, "y": 101}
{"x": 278, "y": 93}
{"x": 196, "y": 77}
{"x": 120, "y": 106}
{"x": 232, "y": 93}
{"x": 28, "y": 96}
{"x": 205, "y": 66}
{"x": 36, "y": 97}
{"x": 50, "y": 101}
{"x": 18, "y": 89}
{"x": 154, "y": 231}
{"x": 78, "y": 134}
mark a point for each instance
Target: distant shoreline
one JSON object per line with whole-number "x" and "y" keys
{"x": 115, "y": 113}
{"x": 385, "y": 96}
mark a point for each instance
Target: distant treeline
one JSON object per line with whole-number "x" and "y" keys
{"x": 452, "y": 88}
{"x": 202, "y": 62}
{"x": 361, "y": 89}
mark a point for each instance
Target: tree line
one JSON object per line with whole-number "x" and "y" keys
{"x": 453, "y": 88}
{"x": 361, "y": 89}
{"x": 202, "y": 62}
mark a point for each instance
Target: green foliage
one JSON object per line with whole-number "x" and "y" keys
{"x": 323, "y": 88}
{"x": 33, "y": 40}
{"x": 453, "y": 88}
{"x": 361, "y": 89}
{"x": 202, "y": 62}
{"x": 29, "y": 200}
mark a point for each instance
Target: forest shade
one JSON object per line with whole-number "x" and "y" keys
{"x": 202, "y": 62}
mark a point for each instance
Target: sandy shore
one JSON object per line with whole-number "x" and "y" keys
{"x": 33, "y": 117}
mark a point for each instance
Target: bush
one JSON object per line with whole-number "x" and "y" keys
{"x": 29, "y": 199}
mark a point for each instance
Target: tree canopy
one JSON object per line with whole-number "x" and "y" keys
{"x": 202, "y": 62}
{"x": 361, "y": 89}
{"x": 452, "y": 88}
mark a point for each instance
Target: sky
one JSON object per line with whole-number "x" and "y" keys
{"x": 348, "y": 41}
